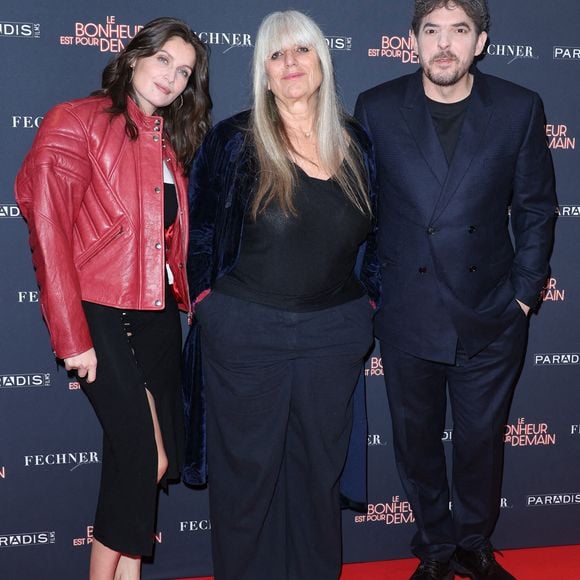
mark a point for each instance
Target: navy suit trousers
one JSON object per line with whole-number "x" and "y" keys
{"x": 480, "y": 390}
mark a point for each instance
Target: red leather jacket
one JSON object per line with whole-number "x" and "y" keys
{"x": 93, "y": 199}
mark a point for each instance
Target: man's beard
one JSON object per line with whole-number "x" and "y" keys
{"x": 446, "y": 78}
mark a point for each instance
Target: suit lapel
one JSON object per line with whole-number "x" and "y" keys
{"x": 418, "y": 119}
{"x": 468, "y": 145}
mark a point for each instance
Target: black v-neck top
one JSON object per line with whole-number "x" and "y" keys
{"x": 304, "y": 262}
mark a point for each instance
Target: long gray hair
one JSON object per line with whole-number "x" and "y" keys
{"x": 339, "y": 156}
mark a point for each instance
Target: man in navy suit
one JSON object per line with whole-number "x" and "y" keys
{"x": 455, "y": 149}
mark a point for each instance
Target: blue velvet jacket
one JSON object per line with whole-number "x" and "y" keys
{"x": 222, "y": 181}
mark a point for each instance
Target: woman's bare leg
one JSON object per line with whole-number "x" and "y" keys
{"x": 128, "y": 568}
{"x": 162, "y": 461}
{"x": 103, "y": 562}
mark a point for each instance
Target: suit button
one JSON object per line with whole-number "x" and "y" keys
{"x": 431, "y": 231}
{"x": 473, "y": 268}
{"x": 472, "y": 229}
{"x": 157, "y": 302}
{"x": 157, "y": 190}
{"x": 157, "y": 246}
{"x": 422, "y": 270}
{"x": 156, "y": 138}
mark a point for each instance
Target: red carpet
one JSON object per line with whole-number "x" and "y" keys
{"x": 561, "y": 563}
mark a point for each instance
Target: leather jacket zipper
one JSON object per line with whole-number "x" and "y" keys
{"x": 99, "y": 245}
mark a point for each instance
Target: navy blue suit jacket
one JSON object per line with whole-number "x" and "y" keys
{"x": 450, "y": 269}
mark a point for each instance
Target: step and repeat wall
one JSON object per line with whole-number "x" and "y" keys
{"x": 50, "y": 441}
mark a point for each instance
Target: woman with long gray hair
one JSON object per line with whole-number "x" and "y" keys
{"x": 280, "y": 205}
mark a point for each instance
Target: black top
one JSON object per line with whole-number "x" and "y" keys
{"x": 448, "y": 119}
{"x": 170, "y": 207}
{"x": 305, "y": 262}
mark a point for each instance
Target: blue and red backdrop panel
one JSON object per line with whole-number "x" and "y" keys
{"x": 49, "y": 437}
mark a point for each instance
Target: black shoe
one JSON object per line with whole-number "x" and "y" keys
{"x": 433, "y": 570}
{"x": 479, "y": 564}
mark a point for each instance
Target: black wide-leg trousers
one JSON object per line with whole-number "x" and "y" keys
{"x": 480, "y": 391}
{"x": 279, "y": 415}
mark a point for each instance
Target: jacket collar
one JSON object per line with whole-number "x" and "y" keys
{"x": 142, "y": 120}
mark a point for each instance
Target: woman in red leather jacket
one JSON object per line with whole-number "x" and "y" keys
{"x": 104, "y": 192}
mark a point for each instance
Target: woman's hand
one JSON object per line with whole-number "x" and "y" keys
{"x": 85, "y": 364}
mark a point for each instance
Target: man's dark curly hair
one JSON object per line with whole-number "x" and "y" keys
{"x": 475, "y": 9}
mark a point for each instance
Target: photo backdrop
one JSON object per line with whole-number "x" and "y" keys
{"x": 50, "y": 447}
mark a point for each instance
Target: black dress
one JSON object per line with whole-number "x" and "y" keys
{"x": 136, "y": 350}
